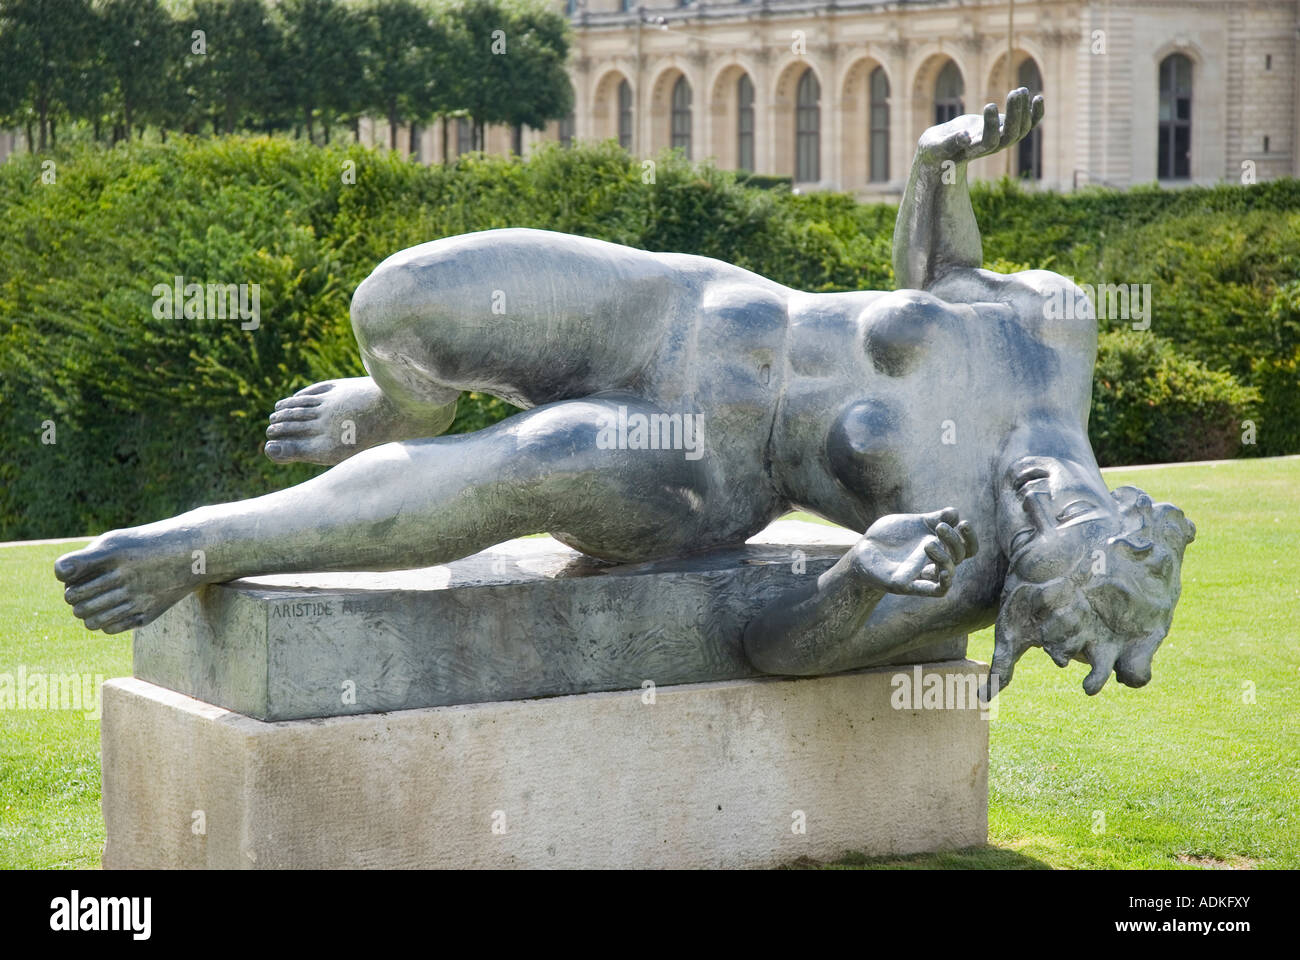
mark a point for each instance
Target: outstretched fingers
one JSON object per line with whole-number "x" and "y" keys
{"x": 1018, "y": 117}
{"x": 991, "y": 137}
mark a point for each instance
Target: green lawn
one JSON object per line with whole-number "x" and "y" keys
{"x": 1184, "y": 771}
{"x": 49, "y": 759}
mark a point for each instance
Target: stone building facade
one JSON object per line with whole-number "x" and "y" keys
{"x": 835, "y": 93}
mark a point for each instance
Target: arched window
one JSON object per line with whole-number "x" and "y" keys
{"x": 807, "y": 129}
{"x": 1174, "y": 159}
{"x": 1029, "y": 152}
{"x": 879, "y": 126}
{"x": 745, "y": 123}
{"x": 948, "y": 90}
{"x": 567, "y": 123}
{"x": 681, "y": 129}
{"x": 625, "y": 115}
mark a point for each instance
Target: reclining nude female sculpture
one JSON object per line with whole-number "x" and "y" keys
{"x": 946, "y": 421}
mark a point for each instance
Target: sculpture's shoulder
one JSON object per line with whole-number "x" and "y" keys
{"x": 1052, "y": 307}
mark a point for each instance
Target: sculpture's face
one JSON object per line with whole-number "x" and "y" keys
{"x": 1092, "y": 576}
{"x": 1054, "y": 513}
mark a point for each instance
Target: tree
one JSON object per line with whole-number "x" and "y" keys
{"x": 514, "y": 51}
{"x": 49, "y": 44}
{"x": 401, "y": 52}
{"x": 236, "y": 57}
{"x": 322, "y": 63}
{"x": 136, "y": 40}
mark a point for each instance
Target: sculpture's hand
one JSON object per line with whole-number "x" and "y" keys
{"x": 914, "y": 553}
{"x": 972, "y": 136}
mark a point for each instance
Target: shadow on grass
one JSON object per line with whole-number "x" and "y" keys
{"x": 970, "y": 858}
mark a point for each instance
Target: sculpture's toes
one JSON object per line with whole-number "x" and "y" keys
{"x": 309, "y": 449}
{"x": 97, "y": 591}
{"x": 82, "y": 565}
{"x": 302, "y": 430}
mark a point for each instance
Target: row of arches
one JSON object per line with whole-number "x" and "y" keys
{"x": 796, "y": 110}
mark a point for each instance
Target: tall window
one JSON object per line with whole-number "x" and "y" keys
{"x": 625, "y": 115}
{"x": 567, "y": 124}
{"x": 879, "y": 126}
{"x": 681, "y": 129}
{"x": 745, "y": 123}
{"x": 1029, "y": 152}
{"x": 464, "y": 136}
{"x": 1174, "y": 159}
{"x": 807, "y": 129}
{"x": 948, "y": 90}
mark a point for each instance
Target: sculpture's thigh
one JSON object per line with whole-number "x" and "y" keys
{"x": 582, "y": 465}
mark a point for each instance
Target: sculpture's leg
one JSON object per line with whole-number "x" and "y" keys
{"x": 410, "y": 504}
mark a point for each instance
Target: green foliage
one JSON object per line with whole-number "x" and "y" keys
{"x": 45, "y": 46}
{"x": 322, "y": 58}
{"x": 1151, "y": 404}
{"x": 154, "y": 416}
{"x": 763, "y": 181}
{"x": 267, "y": 65}
{"x": 510, "y": 61}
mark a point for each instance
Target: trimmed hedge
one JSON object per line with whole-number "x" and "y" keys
{"x": 1147, "y": 399}
{"x": 153, "y": 416}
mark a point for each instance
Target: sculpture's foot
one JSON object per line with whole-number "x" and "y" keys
{"x": 330, "y": 421}
{"x": 127, "y": 578}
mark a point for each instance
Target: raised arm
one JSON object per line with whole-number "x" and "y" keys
{"x": 936, "y": 231}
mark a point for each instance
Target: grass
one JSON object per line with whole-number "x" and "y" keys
{"x": 1185, "y": 772}
{"x": 49, "y": 759}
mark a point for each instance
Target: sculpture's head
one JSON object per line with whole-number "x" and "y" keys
{"x": 1093, "y": 575}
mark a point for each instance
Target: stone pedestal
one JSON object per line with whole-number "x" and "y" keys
{"x": 527, "y": 618}
{"x": 748, "y": 773}
{"x": 525, "y": 707}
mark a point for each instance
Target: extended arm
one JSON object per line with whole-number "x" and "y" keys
{"x": 805, "y": 631}
{"x": 936, "y": 231}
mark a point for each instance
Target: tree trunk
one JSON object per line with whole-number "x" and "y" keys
{"x": 480, "y": 136}
{"x": 518, "y": 144}
{"x": 445, "y": 124}
{"x": 43, "y": 114}
{"x": 356, "y": 129}
{"x": 392, "y": 126}
{"x": 53, "y": 141}
{"x": 311, "y": 130}
{"x": 413, "y": 144}
{"x": 31, "y": 141}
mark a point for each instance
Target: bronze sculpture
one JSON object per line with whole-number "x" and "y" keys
{"x": 675, "y": 403}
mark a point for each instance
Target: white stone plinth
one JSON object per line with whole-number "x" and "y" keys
{"x": 708, "y": 775}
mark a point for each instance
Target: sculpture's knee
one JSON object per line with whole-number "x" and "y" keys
{"x": 383, "y": 308}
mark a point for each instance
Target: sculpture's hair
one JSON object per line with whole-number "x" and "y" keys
{"x": 1126, "y": 591}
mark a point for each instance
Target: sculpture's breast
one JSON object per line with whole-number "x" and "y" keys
{"x": 902, "y": 330}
